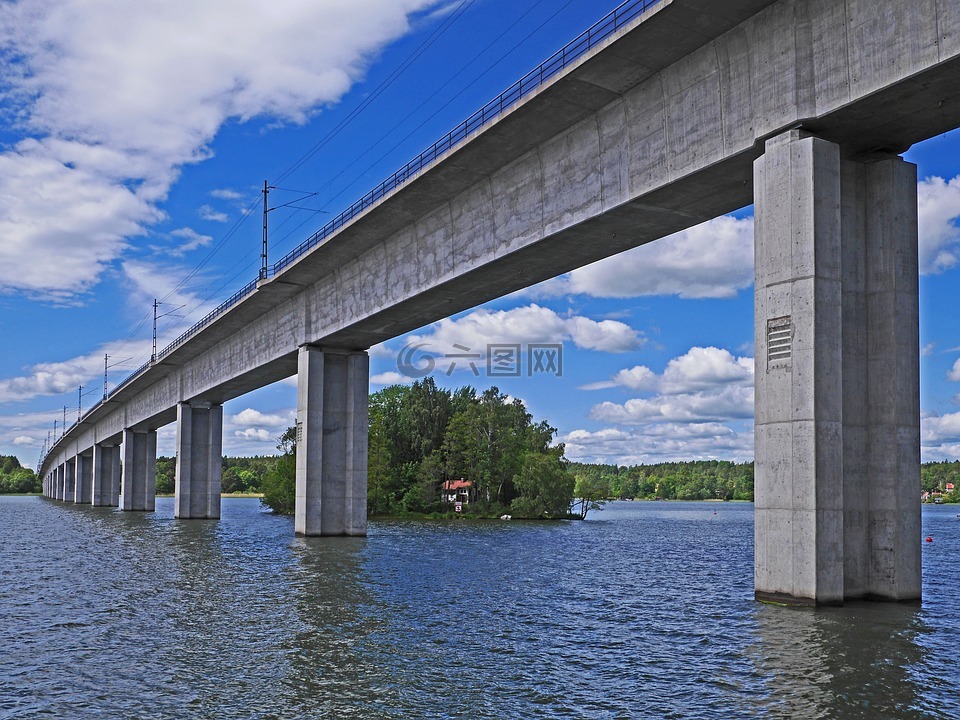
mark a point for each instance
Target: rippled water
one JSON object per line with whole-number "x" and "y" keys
{"x": 643, "y": 611}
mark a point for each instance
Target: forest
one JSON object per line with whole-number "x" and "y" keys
{"x": 17, "y": 479}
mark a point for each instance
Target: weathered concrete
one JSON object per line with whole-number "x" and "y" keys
{"x": 69, "y": 480}
{"x": 331, "y": 475}
{"x": 106, "y": 476}
{"x": 139, "y": 476}
{"x": 836, "y": 376}
{"x": 83, "y": 491}
{"x": 199, "y": 460}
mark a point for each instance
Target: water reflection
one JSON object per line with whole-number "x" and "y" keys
{"x": 335, "y": 654}
{"x": 852, "y": 662}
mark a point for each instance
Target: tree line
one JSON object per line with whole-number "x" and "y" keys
{"x": 692, "y": 480}
{"x": 15, "y": 478}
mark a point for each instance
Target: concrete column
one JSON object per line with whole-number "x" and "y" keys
{"x": 70, "y": 480}
{"x": 199, "y": 460}
{"x": 106, "y": 476}
{"x": 84, "y": 473}
{"x": 886, "y": 520}
{"x": 331, "y": 492}
{"x": 59, "y": 490}
{"x": 837, "y": 409}
{"x": 138, "y": 490}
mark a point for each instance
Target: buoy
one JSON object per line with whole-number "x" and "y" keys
{"x": 929, "y": 538}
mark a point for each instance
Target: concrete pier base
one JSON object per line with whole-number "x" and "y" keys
{"x": 70, "y": 480}
{"x": 331, "y": 492}
{"x": 139, "y": 476}
{"x": 60, "y": 492}
{"x": 199, "y": 460}
{"x": 837, "y": 421}
{"x": 84, "y": 473}
{"x": 106, "y": 476}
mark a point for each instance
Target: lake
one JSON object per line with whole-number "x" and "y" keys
{"x": 644, "y": 610}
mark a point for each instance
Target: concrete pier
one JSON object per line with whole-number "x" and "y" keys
{"x": 199, "y": 460}
{"x": 70, "y": 480}
{"x": 139, "y": 477}
{"x": 106, "y": 476}
{"x": 837, "y": 384}
{"x": 331, "y": 490}
{"x": 83, "y": 489}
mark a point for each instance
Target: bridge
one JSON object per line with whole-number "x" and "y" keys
{"x": 665, "y": 114}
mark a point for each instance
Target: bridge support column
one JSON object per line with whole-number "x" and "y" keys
{"x": 199, "y": 460}
{"x": 70, "y": 480}
{"x": 84, "y": 474}
{"x": 332, "y": 392}
{"x": 837, "y": 382}
{"x": 139, "y": 476}
{"x": 58, "y": 482}
{"x": 106, "y": 476}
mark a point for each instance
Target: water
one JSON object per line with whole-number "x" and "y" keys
{"x": 643, "y": 611}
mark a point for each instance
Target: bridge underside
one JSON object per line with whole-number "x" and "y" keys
{"x": 699, "y": 109}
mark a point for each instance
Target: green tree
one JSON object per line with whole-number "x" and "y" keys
{"x": 166, "y": 475}
{"x": 279, "y": 486}
{"x": 544, "y": 486}
{"x": 590, "y": 493}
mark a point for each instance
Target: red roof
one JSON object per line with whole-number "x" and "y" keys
{"x": 457, "y": 484}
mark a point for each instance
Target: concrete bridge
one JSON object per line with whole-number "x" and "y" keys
{"x": 662, "y": 116}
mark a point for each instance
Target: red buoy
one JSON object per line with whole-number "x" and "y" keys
{"x": 929, "y": 538}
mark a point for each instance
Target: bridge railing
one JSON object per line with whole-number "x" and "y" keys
{"x": 529, "y": 83}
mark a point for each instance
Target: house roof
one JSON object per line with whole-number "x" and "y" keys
{"x": 457, "y": 484}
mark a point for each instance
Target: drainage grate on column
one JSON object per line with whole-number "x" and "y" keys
{"x": 779, "y": 341}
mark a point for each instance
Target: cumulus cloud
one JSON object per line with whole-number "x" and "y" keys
{"x": 954, "y": 373}
{"x": 523, "y": 326}
{"x": 711, "y": 260}
{"x": 938, "y": 204}
{"x": 663, "y": 442}
{"x": 258, "y": 434}
{"x": 940, "y": 436}
{"x": 24, "y": 441}
{"x": 726, "y": 404}
{"x": 249, "y": 416}
{"x": 694, "y": 409}
{"x": 96, "y": 92}
{"x": 700, "y": 368}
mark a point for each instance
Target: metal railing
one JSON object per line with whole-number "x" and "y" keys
{"x": 529, "y": 83}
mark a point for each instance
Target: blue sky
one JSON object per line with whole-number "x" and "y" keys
{"x": 135, "y": 138}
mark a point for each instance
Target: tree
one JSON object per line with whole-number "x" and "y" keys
{"x": 590, "y": 494}
{"x": 166, "y": 475}
{"x": 280, "y": 483}
{"x": 545, "y": 487}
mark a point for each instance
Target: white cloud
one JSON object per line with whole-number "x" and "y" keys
{"x": 711, "y": 260}
{"x": 193, "y": 239}
{"x": 208, "y": 213}
{"x": 390, "y": 378}
{"x": 954, "y": 373}
{"x": 938, "y": 203}
{"x": 689, "y": 411}
{"x": 249, "y": 416}
{"x": 702, "y": 368}
{"x": 257, "y": 434}
{"x": 226, "y": 194}
{"x": 940, "y": 436}
{"x": 24, "y": 441}
{"x": 663, "y": 442}
{"x": 525, "y": 325}
{"x": 731, "y": 402}
{"x": 112, "y": 99}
